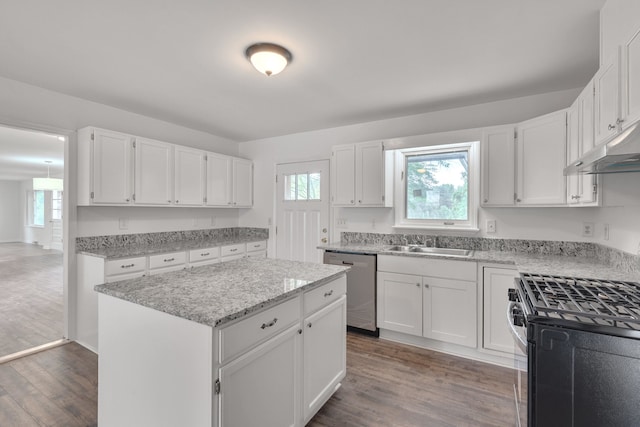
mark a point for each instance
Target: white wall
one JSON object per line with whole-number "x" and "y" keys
{"x": 24, "y": 104}
{"x": 556, "y": 223}
{"x": 10, "y": 219}
{"x": 31, "y": 234}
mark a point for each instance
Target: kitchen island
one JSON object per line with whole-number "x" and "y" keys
{"x": 248, "y": 342}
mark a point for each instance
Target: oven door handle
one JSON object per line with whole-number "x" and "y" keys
{"x": 522, "y": 342}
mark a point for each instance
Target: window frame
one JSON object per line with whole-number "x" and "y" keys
{"x": 31, "y": 204}
{"x": 400, "y": 184}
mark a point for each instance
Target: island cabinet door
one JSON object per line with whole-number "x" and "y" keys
{"x": 261, "y": 388}
{"x": 324, "y": 355}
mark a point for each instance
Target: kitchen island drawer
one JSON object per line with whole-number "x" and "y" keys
{"x": 323, "y": 295}
{"x": 240, "y": 337}
{"x": 167, "y": 260}
{"x": 197, "y": 255}
{"x": 125, "y": 266}
{"x": 257, "y": 246}
{"x": 231, "y": 250}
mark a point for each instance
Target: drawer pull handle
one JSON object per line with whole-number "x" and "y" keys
{"x": 328, "y": 294}
{"x": 205, "y": 254}
{"x": 233, "y": 250}
{"x": 309, "y": 324}
{"x": 127, "y": 265}
{"x": 270, "y": 324}
{"x": 256, "y": 246}
{"x": 169, "y": 259}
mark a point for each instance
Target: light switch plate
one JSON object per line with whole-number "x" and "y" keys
{"x": 587, "y": 229}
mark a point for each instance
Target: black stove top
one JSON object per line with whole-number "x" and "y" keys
{"x": 608, "y": 303}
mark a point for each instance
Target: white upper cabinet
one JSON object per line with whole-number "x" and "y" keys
{"x": 189, "y": 176}
{"x": 498, "y": 166}
{"x": 630, "y": 76}
{"x": 104, "y": 167}
{"x": 242, "y": 183}
{"x": 581, "y": 189}
{"x": 343, "y": 171}
{"x": 541, "y": 154}
{"x": 153, "y": 180}
{"x": 229, "y": 181}
{"x": 361, "y": 175}
{"x": 607, "y": 99}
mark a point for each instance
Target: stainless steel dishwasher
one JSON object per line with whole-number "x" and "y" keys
{"x": 361, "y": 289}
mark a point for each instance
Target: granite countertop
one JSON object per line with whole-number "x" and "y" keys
{"x": 216, "y": 294}
{"x": 116, "y": 252}
{"x": 586, "y": 267}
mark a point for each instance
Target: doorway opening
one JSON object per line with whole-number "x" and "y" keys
{"x": 32, "y": 291}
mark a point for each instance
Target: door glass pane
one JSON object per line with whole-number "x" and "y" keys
{"x": 302, "y": 187}
{"x": 38, "y": 207}
{"x": 314, "y": 186}
{"x": 290, "y": 187}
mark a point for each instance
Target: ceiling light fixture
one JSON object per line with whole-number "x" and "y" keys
{"x": 48, "y": 183}
{"x": 268, "y": 58}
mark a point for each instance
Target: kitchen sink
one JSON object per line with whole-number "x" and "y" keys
{"x": 463, "y": 253}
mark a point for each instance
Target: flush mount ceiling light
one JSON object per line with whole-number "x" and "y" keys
{"x": 268, "y": 58}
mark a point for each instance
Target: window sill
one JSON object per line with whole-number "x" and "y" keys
{"x": 35, "y": 226}
{"x": 437, "y": 228}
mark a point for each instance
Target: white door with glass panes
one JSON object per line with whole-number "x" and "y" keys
{"x": 189, "y": 171}
{"x": 153, "y": 181}
{"x": 56, "y": 220}
{"x": 302, "y": 210}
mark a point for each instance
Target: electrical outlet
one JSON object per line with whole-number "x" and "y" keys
{"x": 373, "y": 224}
{"x": 587, "y": 229}
{"x": 491, "y": 226}
{"x": 123, "y": 223}
{"x": 606, "y": 232}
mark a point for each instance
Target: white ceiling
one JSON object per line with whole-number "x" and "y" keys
{"x": 23, "y": 154}
{"x": 353, "y": 60}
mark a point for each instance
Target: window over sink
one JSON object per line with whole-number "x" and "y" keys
{"x": 437, "y": 187}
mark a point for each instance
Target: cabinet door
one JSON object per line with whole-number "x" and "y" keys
{"x": 573, "y": 152}
{"x": 541, "y": 153}
{"x": 261, "y": 388}
{"x": 189, "y": 176}
{"x": 219, "y": 180}
{"x": 153, "y": 172}
{"x": 400, "y": 303}
{"x": 242, "y": 183}
{"x": 496, "y": 330}
{"x": 370, "y": 174}
{"x": 450, "y": 311}
{"x": 343, "y": 175}
{"x": 588, "y": 189}
{"x": 324, "y": 354}
{"x": 111, "y": 168}
{"x": 606, "y": 82}
{"x": 631, "y": 80}
{"x": 498, "y": 166}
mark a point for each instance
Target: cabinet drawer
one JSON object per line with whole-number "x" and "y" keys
{"x": 125, "y": 266}
{"x": 258, "y": 254}
{"x": 161, "y": 270}
{"x": 167, "y": 260}
{"x": 126, "y": 276}
{"x": 256, "y": 246}
{"x": 247, "y": 333}
{"x": 198, "y": 255}
{"x": 323, "y": 295}
{"x": 230, "y": 250}
{"x": 448, "y": 269}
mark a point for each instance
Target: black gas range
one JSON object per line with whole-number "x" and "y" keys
{"x": 583, "y": 349}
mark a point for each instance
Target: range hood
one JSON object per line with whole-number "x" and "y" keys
{"x": 620, "y": 154}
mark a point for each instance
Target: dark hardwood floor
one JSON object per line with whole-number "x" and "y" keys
{"x": 387, "y": 384}
{"x": 31, "y": 299}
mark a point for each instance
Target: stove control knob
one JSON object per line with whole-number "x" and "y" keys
{"x": 513, "y": 295}
{"x": 518, "y": 317}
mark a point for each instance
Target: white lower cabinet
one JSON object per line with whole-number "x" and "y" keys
{"x": 278, "y": 367}
{"x": 400, "y": 302}
{"x": 324, "y": 355}
{"x": 449, "y": 310}
{"x": 441, "y": 306}
{"x": 260, "y": 388}
{"x": 496, "y": 334}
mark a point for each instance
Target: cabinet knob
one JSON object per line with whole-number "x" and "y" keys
{"x": 359, "y": 201}
{"x": 309, "y": 324}
{"x": 426, "y": 286}
{"x": 619, "y": 121}
{"x": 611, "y": 127}
{"x": 126, "y": 200}
{"x": 418, "y": 284}
{"x": 518, "y": 200}
{"x": 177, "y": 201}
{"x": 169, "y": 201}
{"x": 486, "y": 200}
{"x": 351, "y": 201}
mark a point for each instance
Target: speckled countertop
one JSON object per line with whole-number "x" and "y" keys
{"x": 576, "y": 266}
{"x": 215, "y": 294}
{"x": 162, "y": 248}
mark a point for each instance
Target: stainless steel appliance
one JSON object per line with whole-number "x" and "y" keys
{"x": 583, "y": 349}
{"x": 361, "y": 289}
